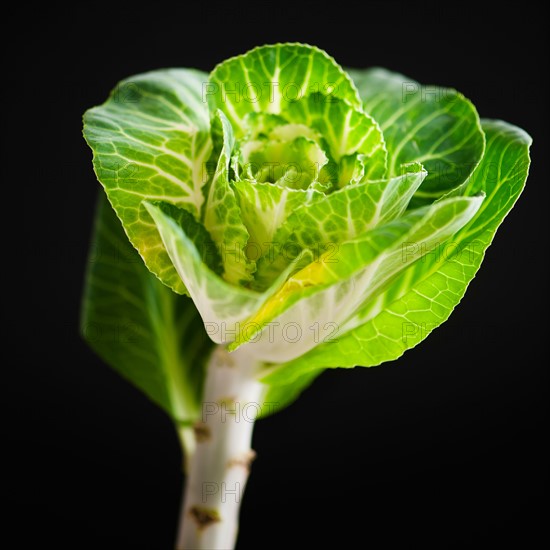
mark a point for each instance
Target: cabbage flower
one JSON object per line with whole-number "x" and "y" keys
{"x": 272, "y": 219}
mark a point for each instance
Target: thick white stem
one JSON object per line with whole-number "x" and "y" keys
{"x": 219, "y": 468}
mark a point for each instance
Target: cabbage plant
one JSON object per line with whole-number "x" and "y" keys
{"x": 272, "y": 219}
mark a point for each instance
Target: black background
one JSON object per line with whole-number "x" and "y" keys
{"x": 441, "y": 448}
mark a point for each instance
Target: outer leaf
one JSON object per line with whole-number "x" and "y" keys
{"x": 427, "y": 293}
{"x": 146, "y": 332}
{"x": 222, "y": 216}
{"x": 329, "y": 291}
{"x": 151, "y": 140}
{"x": 268, "y": 78}
{"x": 222, "y": 306}
{"x": 346, "y": 130}
{"x": 435, "y": 126}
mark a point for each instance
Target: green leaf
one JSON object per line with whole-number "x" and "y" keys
{"x": 268, "y": 78}
{"x": 221, "y": 305}
{"x": 222, "y": 216}
{"x": 265, "y": 207}
{"x": 347, "y": 131}
{"x": 352, "y": 211}
{"x": 151, "y": 336}
{"x": 344, "y": 215}
{"x": 435, "y": 126}
{"x": 331, "y": 289}
{"x": 197, "y": 234}
{"x": 426, "y": 294}
{"x": 151, "y": 140}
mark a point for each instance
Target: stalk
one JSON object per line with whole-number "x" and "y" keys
{"x": 219, "y": 467}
